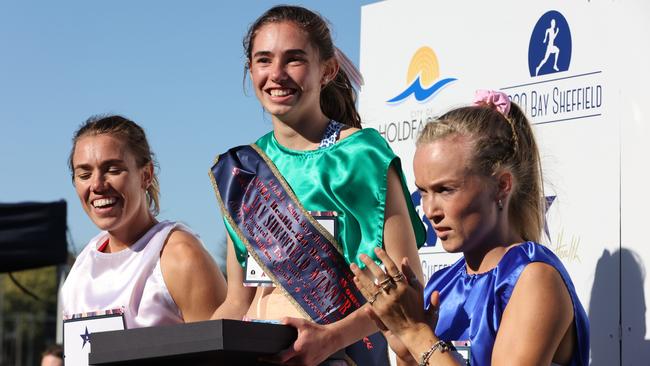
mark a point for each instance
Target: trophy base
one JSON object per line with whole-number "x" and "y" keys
{"x": 213, "y": 342}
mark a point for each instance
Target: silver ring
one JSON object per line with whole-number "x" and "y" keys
{"x": 398, "y": 277}
{"x": 385, "y": 281}
{"x": 388, "y": 285}
{"x": 373, "y": 297}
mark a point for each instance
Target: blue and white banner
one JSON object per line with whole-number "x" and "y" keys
{"x": 579, "y": 71}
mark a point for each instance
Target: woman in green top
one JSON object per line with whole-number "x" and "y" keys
{"x": 331, "y": 165}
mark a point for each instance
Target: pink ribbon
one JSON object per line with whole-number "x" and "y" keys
{"x": 348, "y": 67}
{"x": 496, "y": 99}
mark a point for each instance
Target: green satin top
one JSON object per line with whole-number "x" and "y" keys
{"x": 348, "y": 177}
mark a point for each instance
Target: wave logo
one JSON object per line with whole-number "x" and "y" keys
{"x": 422, "y": 75}
{"x": 431, "y": 238}
{"x": 549, "y": 50}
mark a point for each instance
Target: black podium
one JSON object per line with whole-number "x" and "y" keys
{"x": 214, "y": 342}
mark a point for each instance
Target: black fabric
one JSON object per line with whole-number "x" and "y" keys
{"x": 32, "y": 235}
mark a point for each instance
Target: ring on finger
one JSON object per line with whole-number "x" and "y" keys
{"x": 388, "y": 285}
{"x": 398, "y": 277}
{"x": 373, "y": 297}
{"x": 386, "y": 280}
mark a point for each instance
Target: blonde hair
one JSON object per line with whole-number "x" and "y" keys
{"x": 136, "y": 141}
{"x": 500, "y": 142}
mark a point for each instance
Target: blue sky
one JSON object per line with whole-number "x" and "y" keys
{"x": 174, "y": 67}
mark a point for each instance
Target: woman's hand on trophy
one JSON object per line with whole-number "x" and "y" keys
{"x": 314, "y": 344}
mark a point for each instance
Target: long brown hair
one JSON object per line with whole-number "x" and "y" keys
{"x": 338, "y": 97}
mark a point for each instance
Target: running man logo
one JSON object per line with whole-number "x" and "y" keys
{"x": 549, "y": 50}
{"x": 421, "y": 78}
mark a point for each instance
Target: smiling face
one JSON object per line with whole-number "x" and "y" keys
{"x": 110, "y": 185}
{"x": 459, "y": 202}
{"x": 287, "y": 72}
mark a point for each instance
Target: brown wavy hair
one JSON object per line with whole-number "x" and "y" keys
{"x": 338, "y": 97}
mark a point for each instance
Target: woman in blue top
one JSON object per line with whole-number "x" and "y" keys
{"x": 509, "y": 299}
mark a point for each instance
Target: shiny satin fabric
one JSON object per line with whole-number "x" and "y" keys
{"x": 283, "y": 237}
{"x": 471, "y": 305}
{"x": 348, "y": 177}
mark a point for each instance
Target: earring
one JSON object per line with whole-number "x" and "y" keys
{"x": 500, "y": 205}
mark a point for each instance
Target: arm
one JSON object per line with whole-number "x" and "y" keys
{"x": 239, "y": 297}
{"x": 421, "y": 337}
{"x": 316, "y": 342}
{"x": 399, "y": 243}
{"x": 192, "y": 277}
{"x": 399, "y": 311}
{"x": 399, "y": 238}
{"x": 536, "y": 319}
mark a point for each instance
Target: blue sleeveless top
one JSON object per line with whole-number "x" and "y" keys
{"x": 471, "y": 306}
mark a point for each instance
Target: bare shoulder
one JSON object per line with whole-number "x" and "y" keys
{"x": 181, "y": 240}
{"x": 347, "y": 131}
{"x": 540, "y": 284}
{"x": 192, "y": 276}
{"x": 540, "y": 276}
{"x": 182, "y": 249}
{"x": 541, "y": 304}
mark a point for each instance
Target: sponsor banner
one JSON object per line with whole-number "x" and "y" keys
{"x": 566, "y": 64}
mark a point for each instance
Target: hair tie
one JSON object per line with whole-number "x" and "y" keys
{"x": 348, "y": 68}
{"x": 499, "y": 101}
{"x": 496, "y": 99}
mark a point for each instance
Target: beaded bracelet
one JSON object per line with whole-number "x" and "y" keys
{"x": 440, "y": 345}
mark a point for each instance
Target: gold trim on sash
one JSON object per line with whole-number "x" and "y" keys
{"x": 250, "y": 248}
